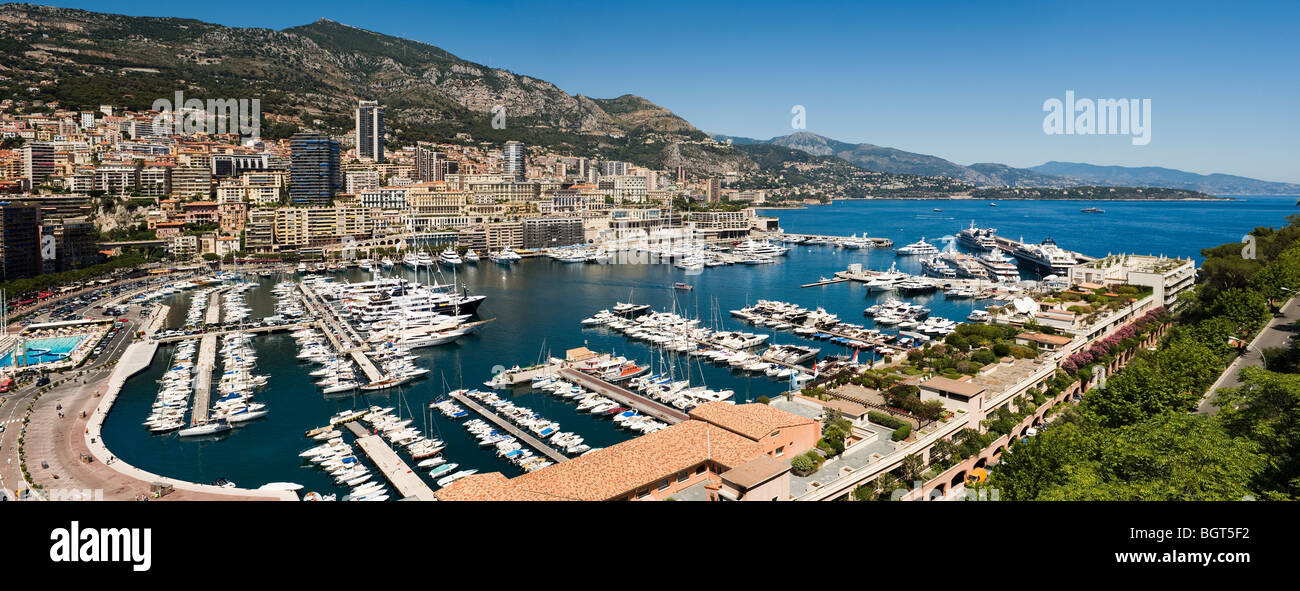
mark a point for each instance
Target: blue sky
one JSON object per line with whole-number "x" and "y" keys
{"x": 953, "y": 79}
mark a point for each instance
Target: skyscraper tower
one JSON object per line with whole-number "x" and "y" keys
{"x": 370, "y": 131}
{"x": 515, "y": 163}
{"x": 313, "y": 168}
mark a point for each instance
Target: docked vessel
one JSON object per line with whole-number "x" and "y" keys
{"x": 505, "y": 256}
{"x": 999, "y": 267}
{"x": 978, "y": 238}
{"x": 1045, "y": 257}
{"x": 920, "y": 247}
{"x": 449, "y": 258}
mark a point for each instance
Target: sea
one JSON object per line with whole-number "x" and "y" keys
{"x": 536, "y": 308}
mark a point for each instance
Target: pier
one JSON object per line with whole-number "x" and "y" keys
{"x": 405, "y": 480}
{"x": 214, "y": 306}
{"x": 875, "y": 242}
{"x": 511, "y": 428}
{"x": 254, "y": 329}
{"x": 340, "y": 334}
{"x": 624, "y": 396}
{"x": 826, "y": 282}
{"x": 203, "y": 383}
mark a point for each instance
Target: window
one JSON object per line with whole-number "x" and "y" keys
{"x": 683, "y": 476}
{"x": 666, "y": 482}
{"x": 780, "y": 451}
{"x": 699, "y": 470}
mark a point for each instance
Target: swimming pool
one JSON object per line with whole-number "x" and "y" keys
{"x": 45, "y": 350}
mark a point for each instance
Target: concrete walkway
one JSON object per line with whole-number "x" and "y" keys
{"x": 1275, "y": 334}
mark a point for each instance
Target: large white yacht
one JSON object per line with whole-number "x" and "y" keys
{"x": 999, "y": 267}
{"x": 919, "y": 247}
{"x": 764, "y": 249}
{"x": 886, "y": 280}
{"x": 505, "y": 256}
{"x": 978, "y": 238}
{"x": 1046, "y": 257}
{"x": 417, "y": 260}
{"x": 448, "y": 257}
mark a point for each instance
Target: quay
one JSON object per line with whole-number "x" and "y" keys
{"x": 405, "y": 480}
{"x": 257, "y": 329}
{"x": 214, "y": 306}
{"x": 511, "y": 428}
{"x": 624, "y": 396}
{"x": 875, "y": 242}
{"x": 826, "y": 282}
{"x": 203, "y": 383}
{"x": 336, "y": 330}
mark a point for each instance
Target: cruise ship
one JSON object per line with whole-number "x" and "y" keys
{"x": 978, "y": 238}
{"x": 1046, "y": 257}
{"x": 999, "y": 267}
{"x": 920, "y": 247}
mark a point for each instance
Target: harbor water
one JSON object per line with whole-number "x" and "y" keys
{"x": 538, "y": 304}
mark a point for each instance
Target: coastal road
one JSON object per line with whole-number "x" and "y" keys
{"x": 1277, "y": 333}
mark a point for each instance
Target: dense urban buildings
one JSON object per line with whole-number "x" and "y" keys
{"x": 370, "y": 131}
{"x": 314, "y": 171}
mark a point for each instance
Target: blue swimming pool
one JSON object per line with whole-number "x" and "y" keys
{"x": 45, "y": 350}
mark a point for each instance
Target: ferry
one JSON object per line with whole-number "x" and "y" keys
{"x": 978, "y": 238}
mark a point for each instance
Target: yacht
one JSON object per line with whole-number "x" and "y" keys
{"x": 938, "y": 267}
{"x": 386, "y": 262}
{"x": 886, "y": 280}
{"x": 919, "y": 247}
{"x": 978, "y": 238}
{"x": 471, "y": 256}
{"x": 760, "y": 249}
{"x": 416, "y": 260}
{"x": 1046, "y": 257}
{"x": 448, "y": 257}
{"x": 999, "y": 267}
{"x": 1092, "y": 210}
{"x": 209, "y": 428}
{"x": 505, "y": 256}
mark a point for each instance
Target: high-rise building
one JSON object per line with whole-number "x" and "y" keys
{"x": 313, "y": 169}
{"x": 74, "y": 244}
{"x": 715, "y": 190}
{"x": 427, "y": 164}
{"x": 38, "y": 162}
{"x": 613, "y": 168}
{"x": 20, "y": 239}
{"x": 544, "y": 232}
{"x": 681, "y": 174}
{"x": 515, "y": 160}
{"x": 370, "y": 131}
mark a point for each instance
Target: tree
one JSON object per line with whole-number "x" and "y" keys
{"x": 1266, "y": 409}
{"x": 912, "y": 468}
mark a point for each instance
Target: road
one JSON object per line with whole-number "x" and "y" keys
{"x": 13, "y": 407}
{"x": 1276, "y": 334}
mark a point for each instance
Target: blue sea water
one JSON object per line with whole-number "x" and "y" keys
{"x": 537, "y": 306}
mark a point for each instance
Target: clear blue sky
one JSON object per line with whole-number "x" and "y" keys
{"x": 953, "y": 79}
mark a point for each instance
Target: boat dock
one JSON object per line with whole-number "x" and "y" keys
{"x": 826, "y": 282}
{"x": 340, "y": 334}
{"x": 203, "y": 383}
{"x": 405, "y": 480}
{"x": 624, "y": 396}
{"x": 875, "y": 242}
{"x": 257, "y": 329}
{"x": 511, "y": 429}
{"x": 214, "y": 306}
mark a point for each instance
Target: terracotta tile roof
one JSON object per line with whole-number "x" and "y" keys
{"x": 755, "y": 472}
{"x": 754, "y": 421}
{"x": 615, "y": 471}
{"x": 1049, "y": 339}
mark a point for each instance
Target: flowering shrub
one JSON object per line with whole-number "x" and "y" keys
{"x": 1113, "y": 342}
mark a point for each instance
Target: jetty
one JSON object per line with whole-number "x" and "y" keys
{"x": 214, "y": 306}
{"x": 251, "y": 329}
{"x": 405, "y": 480}
{"x": 624, "y": 396}
{"x": 203, "y": 381}
{"x": 511, "y": 428}
{"x": 826, "y": 282}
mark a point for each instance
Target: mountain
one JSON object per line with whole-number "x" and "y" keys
{"x": 310, "y": 77}
{"x": 883, "y": 159}
{"x": 1154, "y": 176}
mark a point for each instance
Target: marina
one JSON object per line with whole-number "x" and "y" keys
{"x": 459, "y": 396}
{"x": 539, "y": 300}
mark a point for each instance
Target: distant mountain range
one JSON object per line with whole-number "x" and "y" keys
{"x": 1051, "y": 174}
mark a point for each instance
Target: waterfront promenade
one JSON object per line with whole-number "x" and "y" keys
{"x": 117, "y": 479}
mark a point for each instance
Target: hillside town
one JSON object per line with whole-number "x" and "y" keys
{"x": 98, "y": 182}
